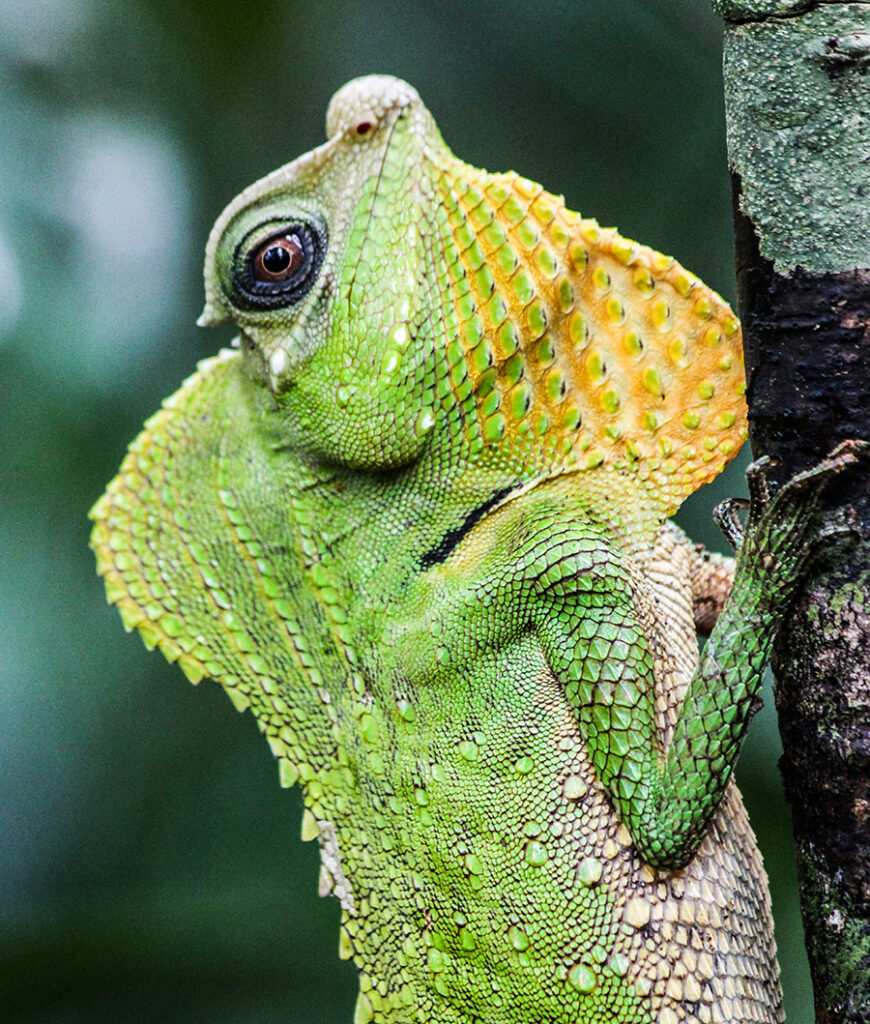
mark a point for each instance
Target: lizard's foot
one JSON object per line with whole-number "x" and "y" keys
{"x": 783, "y": 529}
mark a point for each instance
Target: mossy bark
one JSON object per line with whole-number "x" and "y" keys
{"x": 797, "y": 87}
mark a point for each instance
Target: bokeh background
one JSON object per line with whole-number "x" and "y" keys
{"x": 150, "y": 866}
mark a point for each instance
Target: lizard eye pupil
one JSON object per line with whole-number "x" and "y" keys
{"x": 279, "y": 259}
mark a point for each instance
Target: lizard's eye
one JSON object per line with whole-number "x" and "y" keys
{"x": 278, "y": 269}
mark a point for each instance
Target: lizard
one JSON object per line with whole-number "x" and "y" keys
{"x": 417, "y": 521}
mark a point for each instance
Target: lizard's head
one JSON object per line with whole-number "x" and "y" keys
{"x": 390, "y": 295}
{"x": 321, "y": 265}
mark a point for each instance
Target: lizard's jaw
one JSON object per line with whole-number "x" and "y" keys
{"x": 274, "y": 361}
{"x": 280, "y": 367}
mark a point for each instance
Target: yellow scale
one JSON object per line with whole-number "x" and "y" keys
{"x": 614, "y": 351}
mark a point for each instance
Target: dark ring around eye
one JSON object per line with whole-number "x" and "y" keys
{"x": 277, "y": 268}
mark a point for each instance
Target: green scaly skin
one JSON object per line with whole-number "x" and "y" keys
{"x": 466, "y": 632}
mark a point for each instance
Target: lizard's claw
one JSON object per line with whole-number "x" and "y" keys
{"x": 783, "y": 529}
{"x": 802, "y": 493}
{"x": 726, "y": 515}
{"x": 847, "y": 453}
{"x": 757, "y": 480}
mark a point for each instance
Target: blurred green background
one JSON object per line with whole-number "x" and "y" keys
{"x": 150, "y": 866}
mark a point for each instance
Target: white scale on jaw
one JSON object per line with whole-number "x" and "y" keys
{"x": 277, "y": 362}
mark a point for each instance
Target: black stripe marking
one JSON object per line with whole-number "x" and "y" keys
{"x": 451, "y": 539}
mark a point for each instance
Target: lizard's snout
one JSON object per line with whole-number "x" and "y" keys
{"x": 361, "y": 104}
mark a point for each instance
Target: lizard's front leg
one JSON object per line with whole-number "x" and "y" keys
{"x": 538, "y": 567}
{"x": 534, "y": 567}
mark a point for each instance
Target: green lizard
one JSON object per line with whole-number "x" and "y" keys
{"x": 417, "y": 524}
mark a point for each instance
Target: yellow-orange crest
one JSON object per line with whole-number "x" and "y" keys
{"x": 608, "y": 351}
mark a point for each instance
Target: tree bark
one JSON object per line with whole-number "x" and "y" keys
{"x": 797, "y": 92}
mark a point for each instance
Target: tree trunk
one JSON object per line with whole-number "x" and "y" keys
{"x": 797, "y": 93}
